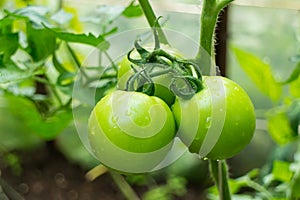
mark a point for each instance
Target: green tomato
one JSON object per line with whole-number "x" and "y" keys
{"x": 217, "y": 122}
{"x": 130, "y": 131}
{"x": 161, "y": 83}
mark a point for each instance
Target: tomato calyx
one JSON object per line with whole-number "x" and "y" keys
{"x": 186, "y": 77}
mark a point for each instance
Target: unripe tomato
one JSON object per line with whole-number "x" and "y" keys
{"x": 161, "y": 83}
{"x": 130, "y": 131}
{"x": 217, "y": 122}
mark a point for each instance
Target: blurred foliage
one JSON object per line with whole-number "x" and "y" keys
{"x": 41, "y": 59}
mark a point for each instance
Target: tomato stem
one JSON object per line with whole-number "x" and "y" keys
{"x": 152, "y": 20}
{"x": 158, "y": 63}
{"x": 219, "y": 171}
{"x": 125, "y": 188}
{"x": 208, "y": 21}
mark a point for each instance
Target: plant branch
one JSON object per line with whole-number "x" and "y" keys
{"x": 125, "y": 188}
{"x": 151, "y": 18}
{"x": 208, "y": 19}
{"x": 219, "y": 171}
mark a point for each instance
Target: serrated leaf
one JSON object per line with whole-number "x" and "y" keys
{"x": 279, "y": 126}
{"x": 89, "y": 39}
{"x": 133, "y": 10}
{"x": 259, "y": 72}
{"x": 281, "y": 171}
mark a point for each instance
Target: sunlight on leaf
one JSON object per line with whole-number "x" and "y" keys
{"x": 281, "y": 171}
{"x": 279, "y": 126}
{"x": 29, "y": 117}
{"x": 133, "y": 10}
{"x": 259, "y": 72}
{"x": 89, "y": 39}
{"x": 75, "y": 23}
{"x": 295, "y": 88}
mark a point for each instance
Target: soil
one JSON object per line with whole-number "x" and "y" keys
{"x": 48, "y": 175}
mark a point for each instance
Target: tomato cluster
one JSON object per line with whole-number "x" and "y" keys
{"x": 131, "y": 131}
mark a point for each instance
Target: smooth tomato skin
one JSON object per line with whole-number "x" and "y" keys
{"x": 161, "y": 83}
{"x": 131, "y": 132}
{"x": 239, "y": 124}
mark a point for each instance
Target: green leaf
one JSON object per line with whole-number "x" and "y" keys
{"x": 295, "y": 192}
{"x": 58, "y": 66}
{"x": 293, "y": 114}
{"x": 66, "y": 79}
{"x": 259, "y": 72}
{"x": 41, "y": 44}
{"x": 133, "y": 10}
{"x": 31, "y": 119}
{"x": 6, "y": 25}
{"x": 8, "y": 75}
{"x": 52, "y": 126}
{"x": 281, "y": 171}
{"x": 89, "y": 39}
{"x": 37, "y": 15}
{"x": 9, "y": 45}
{"x": 279, "y": 126}
{"x": 14, "y": 133}
{"x": 294, "y": 75}
{"x": 294, "y": 88}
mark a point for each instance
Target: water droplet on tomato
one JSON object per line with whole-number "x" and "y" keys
{"x": 208, "y": 122}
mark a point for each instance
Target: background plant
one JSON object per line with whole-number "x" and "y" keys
{"x": 40, "y": 55}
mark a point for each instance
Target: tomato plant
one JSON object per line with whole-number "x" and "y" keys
{"x": 124, "y": 124}
{"x": 161, "y": 83}
{"x": 223, "y": 107}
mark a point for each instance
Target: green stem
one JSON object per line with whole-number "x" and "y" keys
{"x": 208, "y": 20}
{"x": 219, "y": 172}
{"x": 125, "y": 188}
{"x": 151, "y": 18}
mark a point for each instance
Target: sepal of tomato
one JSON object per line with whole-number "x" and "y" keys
{"x": 161, "y": 83}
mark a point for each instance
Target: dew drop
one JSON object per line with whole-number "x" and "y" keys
{"x": 208, "y": 122}
{"x": 115, "y": 119}
{"x": 205, "y": 158}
